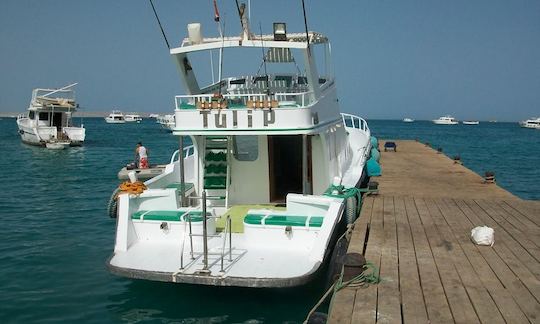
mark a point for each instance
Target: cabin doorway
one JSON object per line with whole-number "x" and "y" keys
{"x": 57, "y": 120}
{"x": 285, "y": 166}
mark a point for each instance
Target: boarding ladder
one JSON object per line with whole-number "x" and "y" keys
{"x": 226, "y": 234}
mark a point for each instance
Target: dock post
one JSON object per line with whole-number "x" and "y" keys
{"x": 181, "y": 167}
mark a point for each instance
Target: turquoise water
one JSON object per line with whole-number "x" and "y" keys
{"x": 56, "y": 237}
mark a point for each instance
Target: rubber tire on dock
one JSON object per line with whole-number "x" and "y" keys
{"x": 335, "y": 265}
{"x": 351, "y": 210}
{"x": 112, "y": 205}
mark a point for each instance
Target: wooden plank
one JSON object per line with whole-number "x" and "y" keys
{"x": 530, "y": 209}
{"x": 365, "y": 304}
{"x": 520, "y": 293}
{"x": 519, "y": 226}
{"x": 437, "y": 306}
{"x": 462, "y": 222}
{"x": 361, "y": 227}
{"x": 509, "y": 232}
{"x": 524, "y": 255}
{"x": 460, "y": 304}
{"x": 529, "y": 223}
{"x": 412, "y": 299}
{"x": 485, "y": 307}
{"x": 388, "y": 301}
{"x": 341, "y": 308}
{"x": 461, "y": 226}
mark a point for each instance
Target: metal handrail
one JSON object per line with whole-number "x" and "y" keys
{"x": 248, "y": 96}
{"x": 228, "y": 229}
{"x": 186, "y": 153}
{"x": 184, "y": 239}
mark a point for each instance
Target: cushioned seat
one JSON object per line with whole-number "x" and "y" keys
{"x": 283, "y": 220}
{"x": 168, "y": 215}
{"x": 176, "y": 185}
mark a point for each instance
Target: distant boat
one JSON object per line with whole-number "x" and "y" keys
{"x": 470, "y": 122}
{"x": 533, "y": 122}
{"x": 445, "y": 120}
{"x": 153, "y": 116}
{"x": 493, "y": 121}
{"x": 132, "y": 118}
{"x": 49, "y": 118}
{"x": 115, "y": 117}
{"x": 408, "y": 120}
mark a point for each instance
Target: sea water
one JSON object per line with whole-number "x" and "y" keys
{"x": 55, "y": 236}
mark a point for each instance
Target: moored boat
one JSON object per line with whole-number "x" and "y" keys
{"x": 115, "y": 117}
{"x": 533, "y": 122}
{"x": 269, "y": 184}
{"x": 470, "y": 122}
{"x": 133, "y": 118}
{"x": 49, "y": 118}
{"x": 445, "y": 120}
{"x": 408, "y": 120}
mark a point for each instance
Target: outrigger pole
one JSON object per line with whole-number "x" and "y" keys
{"x": 159, "y": 23}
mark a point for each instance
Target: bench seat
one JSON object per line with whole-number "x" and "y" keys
{"x": 283, "y": 220}
{"x": 168, "y": 215}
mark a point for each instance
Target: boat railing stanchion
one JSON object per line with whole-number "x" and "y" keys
{"x": 190, "y": 238}
{"x": 227, "y": 232}
{"x": 181, "y": 171}
{"x": 205, "y": 234}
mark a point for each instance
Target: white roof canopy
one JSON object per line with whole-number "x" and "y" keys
{"x": 294, "y": 40}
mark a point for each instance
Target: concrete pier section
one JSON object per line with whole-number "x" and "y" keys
{"x": 417, "y": 232}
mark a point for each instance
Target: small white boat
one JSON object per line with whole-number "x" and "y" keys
{"x": 533, "y": 122}
{"x": 115, "y": 117}
{"x": 153, "y": 116}
{"x": 445, "y": 120}
{"x": 132, "y": 118}
{"x": 470, "y": 122}
{"x": 49, "y": 118}
{"x": 166, "y": 121}
{"x": 408, "y": 120}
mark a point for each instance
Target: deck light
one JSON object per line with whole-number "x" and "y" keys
{"x": 280, "y": 32}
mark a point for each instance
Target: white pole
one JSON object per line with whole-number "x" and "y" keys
{"x": 212, "y": 65}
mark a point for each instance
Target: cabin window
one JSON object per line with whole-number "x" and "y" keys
{"x": 31, "y": 115}
{"x": 356, "y": 123}
{"x": 43, "y": 116}
{"x": 246, "y": 148}
{"x": 348, "y": 122}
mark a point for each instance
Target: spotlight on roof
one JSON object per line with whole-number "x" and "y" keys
{"x": 280, "y": 32}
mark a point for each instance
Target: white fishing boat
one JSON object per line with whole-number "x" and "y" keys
{"x": 270, "y": 182}
{"x": 115, "y": 117}
{"x": 470, "y": 122}
{"x": 166, "y": 121}
{"x": 133, "y": 118}
{"x": 533, "y": 122}
{"x": 155, "y": 116}
{"x": 446, "y": 120}
{"x": 49, "y": 118}
{"x": 408, "y": 120}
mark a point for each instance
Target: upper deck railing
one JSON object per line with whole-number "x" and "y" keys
{"x": 356, "y": 122}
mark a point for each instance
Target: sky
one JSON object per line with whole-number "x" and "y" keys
{"x": 475, "y": 59}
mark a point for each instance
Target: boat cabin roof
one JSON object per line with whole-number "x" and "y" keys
{"x": 294, "y": 40}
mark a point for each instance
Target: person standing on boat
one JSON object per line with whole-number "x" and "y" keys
{"x": 142, "y": 154}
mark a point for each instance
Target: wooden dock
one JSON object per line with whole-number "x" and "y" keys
{"x": 417, "y": 231}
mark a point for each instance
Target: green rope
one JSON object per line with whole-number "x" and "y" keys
{"x": 370, "y": 275}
